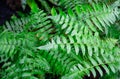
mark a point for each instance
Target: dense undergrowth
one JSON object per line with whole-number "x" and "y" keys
{"x": 62, "y": 39}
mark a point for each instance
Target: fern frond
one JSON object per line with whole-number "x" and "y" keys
{"x": 26, "y": 66}
{"x": 58, "y": 60}
{"x": 86, "y": 43}
{"x": 95, "y": 17}
{"x": 107, "y": 59}
{"x": 8, "y": 46}
{"x": 16, "y": 25}
{"x": 38, "y": 23}
{"x": 91, "y": 64}
{"x": 35, "y": 21}
{"x": 71, "y": 4}
{"x": 23, "y": 47}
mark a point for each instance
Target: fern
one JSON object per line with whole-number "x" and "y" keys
{"x": 28, "y": 63}
{"x": 86, "y": 17}
{"x": 79, "y": 38}
{"x": 74, "y": 37}
{"x": 71, "y": 4}
{"x": 26, "y": 66}
{"x": 89, "y": 65}
{"x": 32, "y": 22}
{"x": 36, "y": 22}
{"x": 80, "y": 45}
{"x": 58, "y": 60}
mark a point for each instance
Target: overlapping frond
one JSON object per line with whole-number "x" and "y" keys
{"x": 17, "y": 52}
{"x": 59, "y": 59}
{"x": 106, "y": 57}
{"x": 70, "y": 41}
{"x": 95, "y": 17}
{"x": 31, "y": 22}
{"x": 25, "y": 66}
{"x": 93, "y": 65}
{"x": 81, "y": 45}
{"x": 8, "y": 46}
{"x": 71, "y": 4}
{"x": 78, "y": 36}
{"x": 36, "y": 22}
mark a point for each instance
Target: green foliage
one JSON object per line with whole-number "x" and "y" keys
{"x": 80, "y": 38}
{"x": 95, "y": 17}
{"x": 19, "y": 57}
{"x": 31, "y": 22}
{"x": 111, "y": 76}
{"x": 35, "y": 22}
{"x": 31, "y": 3}
{"x": 81, "y": 44}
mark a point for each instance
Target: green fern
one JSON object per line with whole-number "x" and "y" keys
{"x": 86, "y": 67}
{"x": 79, "y": 38}
{"x": 94, "y": 50}
{"x": 81, "y": 45}
{"x": 58, "y": 60}
{"x": 32, "y": 22}
{"x": 94, "y": 18}
{"x": 36, "y": 22}
{"x": 74, "y": 37}
{"x": 28, "y": 63}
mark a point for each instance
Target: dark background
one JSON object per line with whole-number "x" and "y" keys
{"x": 9, "y": 8}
